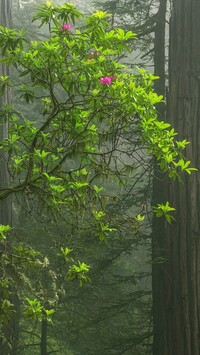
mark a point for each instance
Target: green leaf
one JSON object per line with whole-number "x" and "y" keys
{"x": 3, "y": 231}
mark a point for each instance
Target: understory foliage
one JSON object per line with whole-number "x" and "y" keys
{"x": 87, "y": 124}
{"x": 139, "y": 16}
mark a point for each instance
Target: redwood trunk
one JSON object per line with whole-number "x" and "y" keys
{"x": 43, "y": 344}
{"x": 9, "y": 332}
{"x": 182, "y": 267}
{"x": 159, "y": 193}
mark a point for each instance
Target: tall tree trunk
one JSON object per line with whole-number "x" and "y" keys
{"x": 159, "y": 54}
{"x": 159, "y": 191}
{"x": 8, "y": 340}
{"x": 5, "y": 206}
{"x": 43, "y": 343}
{"x": 182, "y": 266}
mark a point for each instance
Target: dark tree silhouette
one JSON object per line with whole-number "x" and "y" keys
{"x": 180, "y": 294}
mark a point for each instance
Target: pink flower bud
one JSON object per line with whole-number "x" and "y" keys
{"x": 96, "y": 54}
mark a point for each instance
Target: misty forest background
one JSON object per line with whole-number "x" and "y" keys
{"x": 140, "y": 290}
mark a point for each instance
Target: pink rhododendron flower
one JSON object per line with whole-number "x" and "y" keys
{"x": 66, "y": 27}
{"x": 107, "y": 80}
{"x": 92, "y": 56}
{"x": 96, "y": 54}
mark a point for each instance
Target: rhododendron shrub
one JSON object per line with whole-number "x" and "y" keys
{"x": 96, "y": 118}
{"x": 83, "y": 103}
{"x": 94, "y": 114}
{"x": 95, "y": 121}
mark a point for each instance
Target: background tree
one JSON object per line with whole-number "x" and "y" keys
{"x": 5, "y": 206}
{"x": 181, "y": 268}
{"x": 11, "y": 328}
{"x": 159, "y": 185}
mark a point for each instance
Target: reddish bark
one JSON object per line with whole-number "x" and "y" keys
{"x": 182, "y": 266}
